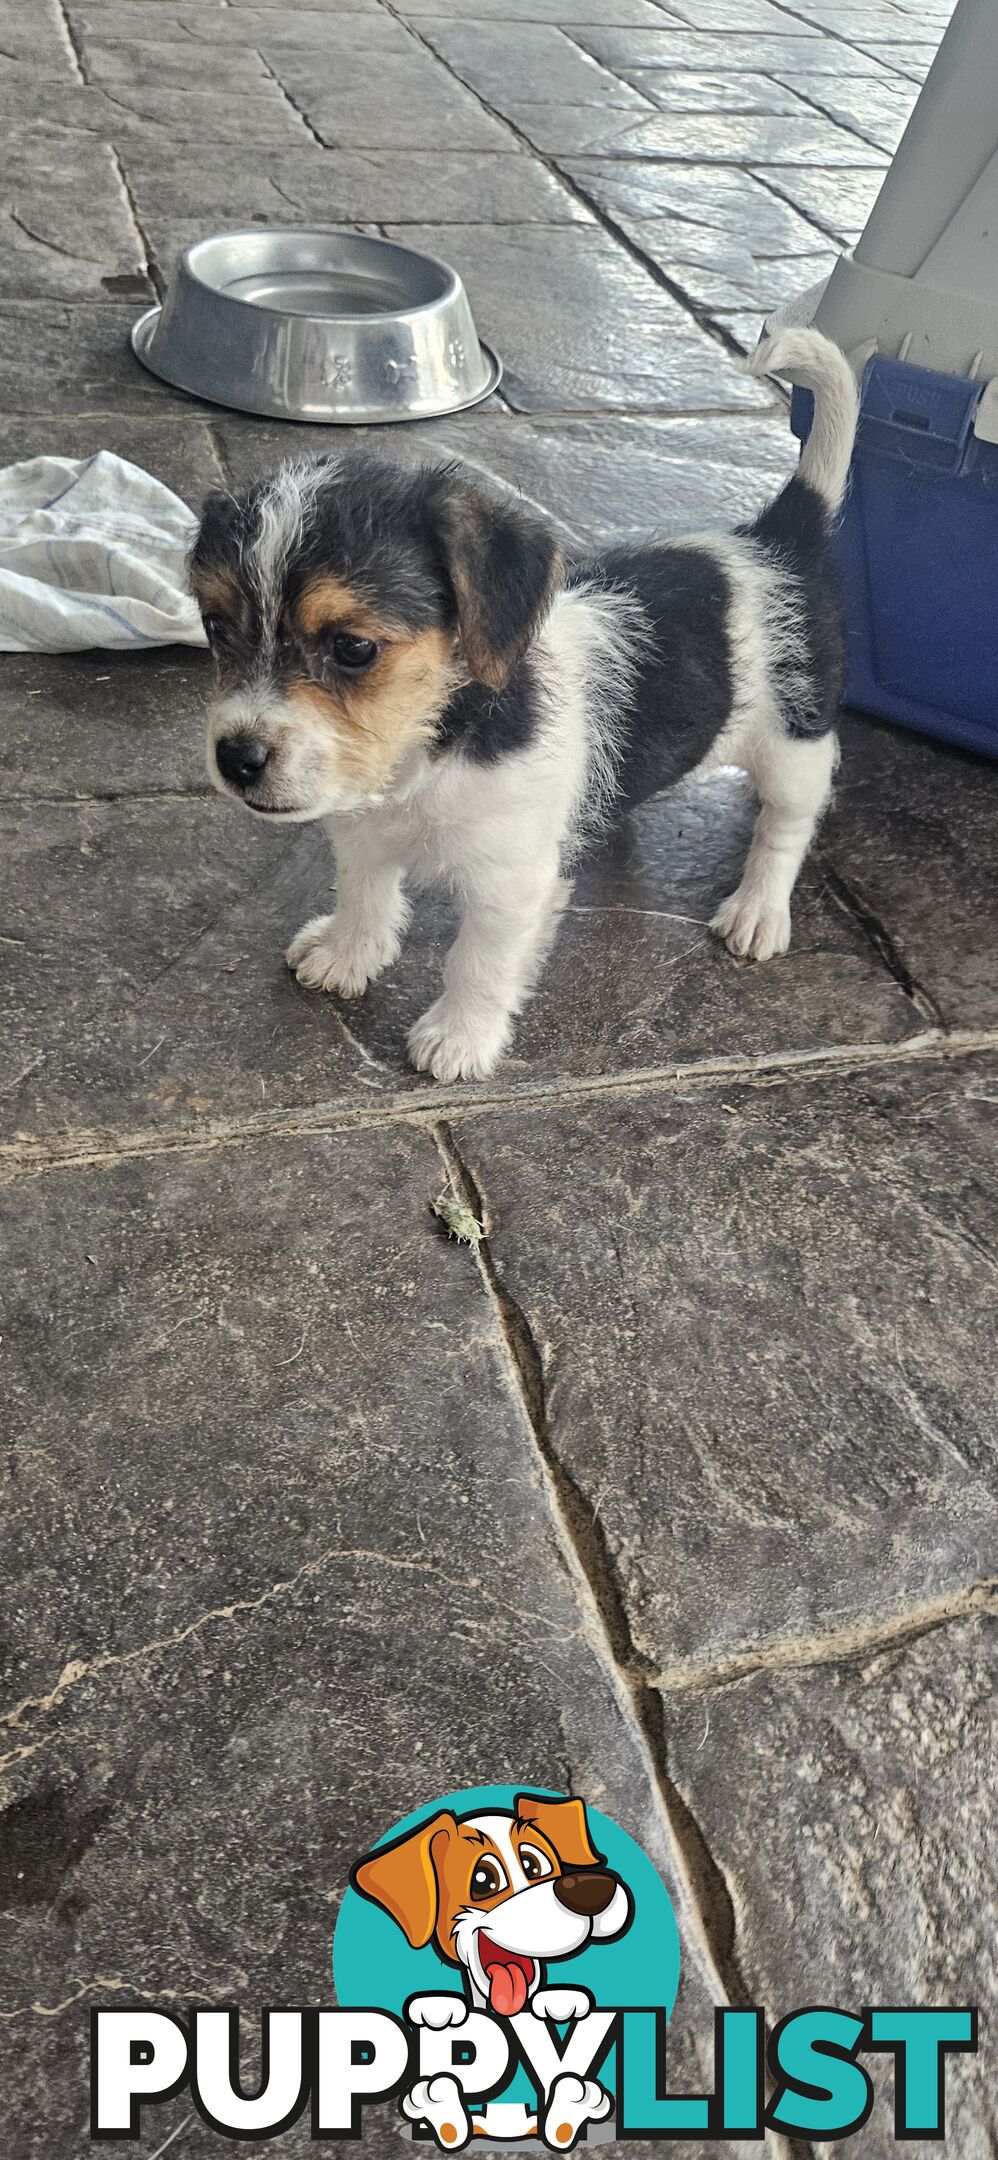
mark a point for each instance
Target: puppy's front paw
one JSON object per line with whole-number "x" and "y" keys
{"x": 436, "y": 2011}
{"x": 458, "y": 1042}
{"x": 325, "y": 956}
{"x": 439, "y": 2102}
{"x": 752, "y": 927}
{"x": 562, "y": 2005}
{"x": 572, "y": 2103}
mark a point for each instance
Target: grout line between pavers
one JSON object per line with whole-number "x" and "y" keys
{"x": 602, "y": 1605}
{"x": 72, "y": 43}
{"x": 95, "y": 1149}
{"x": 151, "y": 265}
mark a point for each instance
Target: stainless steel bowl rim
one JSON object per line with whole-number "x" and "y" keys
{"x": 453, "y": 284}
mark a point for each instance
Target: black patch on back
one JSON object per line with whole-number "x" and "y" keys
{"x": 796, "y": 533}
{"x": 682, "y": 683}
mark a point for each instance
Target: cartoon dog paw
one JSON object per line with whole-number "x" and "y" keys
{"x": 572, "y": 2103}
{"x": 563, "y": 2005}
{"x": 439, "y": 2102}
{"x": 436, "y": 2011}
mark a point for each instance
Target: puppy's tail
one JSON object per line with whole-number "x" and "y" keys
{"x": 808, "y": 358}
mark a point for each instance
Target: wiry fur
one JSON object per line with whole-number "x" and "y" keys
{"x": 508, "y": 711}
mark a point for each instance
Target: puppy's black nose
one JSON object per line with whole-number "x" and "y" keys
{"x": 241, "y": 759}
{"x": 590, "y": 1892}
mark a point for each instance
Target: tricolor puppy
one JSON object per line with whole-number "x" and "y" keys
{"x": 500, "y": 1896}
{"x": 408, "y": 659}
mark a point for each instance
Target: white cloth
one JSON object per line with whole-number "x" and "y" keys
{"x": 92, "y": 552}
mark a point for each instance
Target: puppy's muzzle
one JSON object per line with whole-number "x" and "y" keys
{"x": 588, "y": 1893}
{"x": 241, "y": 759}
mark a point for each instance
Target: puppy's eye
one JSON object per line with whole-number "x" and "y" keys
{"x": 535, "y": 1864}
{"x": 488, "y": 1879}
{"x": 353, "y": 653}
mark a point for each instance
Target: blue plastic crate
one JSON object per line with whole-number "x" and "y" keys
{"x": 918, "y": 548}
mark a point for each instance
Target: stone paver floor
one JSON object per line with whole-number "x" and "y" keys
{"x": 684, "y": 1495}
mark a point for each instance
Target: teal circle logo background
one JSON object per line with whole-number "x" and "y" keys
{"x": 374, "y": 1967}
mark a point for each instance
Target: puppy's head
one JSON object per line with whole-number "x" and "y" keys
{"x": 345, "y": 600}
{"x": 500, "y": 1894}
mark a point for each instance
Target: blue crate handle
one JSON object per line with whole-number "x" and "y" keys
{"x": 907, "y": 412}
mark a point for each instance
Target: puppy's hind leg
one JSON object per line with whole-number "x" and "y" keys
{"x": 794, "y": 780}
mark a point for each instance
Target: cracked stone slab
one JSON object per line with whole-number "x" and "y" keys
{"x": 579, "y": 324}
{"x": 914, "y": 835}
{"x": 355, "y": 187}
{"x": 639, "y": 14}
{"x": 886, "y": 23}
{"x": 708, "y": 52}
{"x": 764, "y": 1320}
{"x": 840, "y": 202}
{"x": 720, "y": 236}
{"x": 136, "y": 996}
{"x": 876, "y": 109}
{"x": 723, "y": 138}
{"x": 66, "y": 229}
{"x": 144, "y": 732}
{"x": 686, "y": 90}
{"x": 159, "y": 115}
{"x": 60, "y": 357}
{"x": 729, "y": 278}
{"x": 600, "y": 480}
{"x": 131, "y": 23}
{"x": 36, "y": 36}
{"x": 705, "y": 205}
{"x": 499, "y": 60}
{"x": 913, "y": 60}
{"x": 410, "y": 102}
{"x": 177, "y": 448}
{"x": 145, "y": 69}
{"x": 740, "y": 16}
{"x": 876, "y": 1882}
{"x": 265, "y": 1445}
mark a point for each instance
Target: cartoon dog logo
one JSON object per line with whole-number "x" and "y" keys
{"x": 501, "y": 1895}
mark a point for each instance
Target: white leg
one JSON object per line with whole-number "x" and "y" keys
{"x": 509, "y": 920}
{"x": 572, "y": 2103}
{"x": 346, "y": 951}
{"x": 439, "y": 2102}
{"x": 794, "y": 781}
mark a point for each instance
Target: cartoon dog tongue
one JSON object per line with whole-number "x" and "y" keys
{"x": 507, "y": 1989}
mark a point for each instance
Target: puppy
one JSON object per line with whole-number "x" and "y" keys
{"x": 500, "y": 1895}
{"x": 408, "y": 660}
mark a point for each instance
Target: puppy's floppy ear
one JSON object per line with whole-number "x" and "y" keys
{"x": 215, "y": 546}
{"x": 403, "y": 1878}
{"x": 505, "y": 568}
{"x": 565, "y": 1826}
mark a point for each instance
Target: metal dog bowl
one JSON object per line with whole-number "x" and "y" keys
{"x": 319, "y": 326}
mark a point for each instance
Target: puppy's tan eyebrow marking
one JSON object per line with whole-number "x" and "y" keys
{"x": 327, "y": 602}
